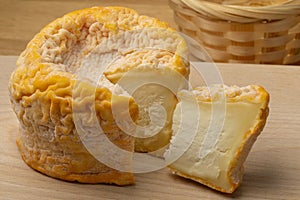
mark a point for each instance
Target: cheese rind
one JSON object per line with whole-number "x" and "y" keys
{"x": 222, "y": 167}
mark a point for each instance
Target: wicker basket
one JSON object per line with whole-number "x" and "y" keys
{"x": 243, "y": 31}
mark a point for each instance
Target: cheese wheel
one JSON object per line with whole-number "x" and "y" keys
{"x": 42, "y": 87}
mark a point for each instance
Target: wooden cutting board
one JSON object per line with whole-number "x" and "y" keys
{"x": 272, "y": 168}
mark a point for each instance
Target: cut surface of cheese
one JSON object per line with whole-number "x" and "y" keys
{"x": 221, "y": 167}
{"x": 153, "y": 80}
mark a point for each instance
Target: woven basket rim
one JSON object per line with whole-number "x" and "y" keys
{"x": 242, "y": 13}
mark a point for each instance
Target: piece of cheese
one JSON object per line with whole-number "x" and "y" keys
{"x": 215, "y": 156}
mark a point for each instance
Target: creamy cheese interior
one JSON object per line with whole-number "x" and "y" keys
{"x": 240, "y": 118}
{"x": 153, "y": 89}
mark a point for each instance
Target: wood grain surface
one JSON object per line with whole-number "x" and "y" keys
{"x": 272, "y": 168}
{"x": 20, "y": 20}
